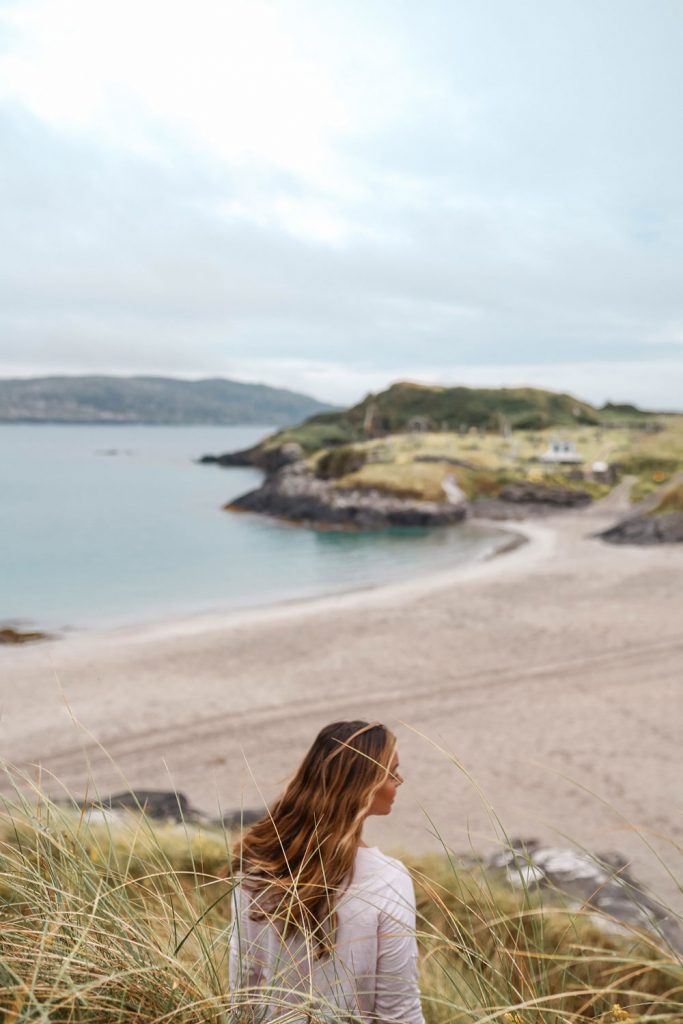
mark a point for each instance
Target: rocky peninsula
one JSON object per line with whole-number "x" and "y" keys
{"x": 398, "y": 459}
{"x": 301, "y": 492}
{"x": 294, "y": 492}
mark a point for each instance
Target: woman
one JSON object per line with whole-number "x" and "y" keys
{"x": 322, "y": 921}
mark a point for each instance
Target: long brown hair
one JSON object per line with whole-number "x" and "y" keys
{"x": 297, "y": 859}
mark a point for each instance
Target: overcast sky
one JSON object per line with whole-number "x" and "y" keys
{"x": 332, "y": 195}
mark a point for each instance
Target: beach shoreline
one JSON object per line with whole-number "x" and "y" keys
{"x": 35, "y": 630}
{"x": 552, "y": 674}
{"x": 515, "y": 535}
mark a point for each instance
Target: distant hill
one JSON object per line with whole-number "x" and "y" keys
{"x": 407, "y": 406}
{"x": 451, "y": 408}
{"x": 150, "y": 400}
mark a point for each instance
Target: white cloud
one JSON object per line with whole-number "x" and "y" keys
{"x": 245, "y": 81}
{"x": 347, "y": 193}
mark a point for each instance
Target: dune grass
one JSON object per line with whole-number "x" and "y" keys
{"x": 114, "y": 921}
{"x": 515, "y": 956}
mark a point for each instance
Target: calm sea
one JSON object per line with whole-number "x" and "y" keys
{"x": 103, "y": 525}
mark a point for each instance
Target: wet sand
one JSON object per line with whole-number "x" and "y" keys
{"x": 551, "y": 675}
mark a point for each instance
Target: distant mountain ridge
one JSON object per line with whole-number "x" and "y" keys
{"x": 152, "y": 400}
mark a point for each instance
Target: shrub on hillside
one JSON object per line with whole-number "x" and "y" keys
{"x": 340, "y": 462}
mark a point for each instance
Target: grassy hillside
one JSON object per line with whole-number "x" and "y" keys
{"x": 149, "y": 400}
{"x": 482, "y": 464}
{"x": 407, "y": 439}
{"x": 444, "y": 409}
{"x": 127, "y": 923}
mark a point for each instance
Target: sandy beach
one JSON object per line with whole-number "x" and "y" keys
{"x": 550, "y": 675}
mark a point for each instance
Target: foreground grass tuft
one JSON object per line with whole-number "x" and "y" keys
{"x": 120, "y": 920}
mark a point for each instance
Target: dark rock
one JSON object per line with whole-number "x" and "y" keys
{"x": 644, "y": 529}
{"x": 294, "y": 493}
{"x": 601, "y": 882}
{"x": 494, "y": 508}
{"x": 270, "y": 460}
{"x": 160, "y": 804}
{"x": 639, "y": 530}
{"x": 529, "y": 493}
{"x": 241, "y": 817}
{"x": 228, "y": 459}
{"x": 10, "y": 635}
{"x": 670, "y": 527}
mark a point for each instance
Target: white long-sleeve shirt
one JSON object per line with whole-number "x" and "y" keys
{"x": 372, "y": 972}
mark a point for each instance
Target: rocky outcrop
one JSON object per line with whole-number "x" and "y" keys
{"x": 541, "y": 494}
{"x": 270, "y": 460}
{"x": 246, "y": 457}
{"x": 600, "y": 882}
{"x": 232, "y": 820}
{"x": 524, "y": 499}
{"x": 158, "y": 804}
{"x": 292, "y": 491}
{"x": 295, "y": 493}
{"x": 493, "y": 508}
{"x": 10, "y": 635}
{"x": 165, "y": 805}
{"x": 647, "y": 529}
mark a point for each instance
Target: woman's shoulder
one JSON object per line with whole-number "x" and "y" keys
{"x": 371, "y": 862}
{"x": 384, "y": 882}
{"x": 379, "y": 857}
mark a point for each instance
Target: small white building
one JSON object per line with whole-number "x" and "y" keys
{"x": 561, "y": 451}
{"x": 454, "y": 494}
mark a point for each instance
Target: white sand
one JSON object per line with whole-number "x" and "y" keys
{"x": 553, "y": 673}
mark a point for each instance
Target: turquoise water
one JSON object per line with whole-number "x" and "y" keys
{"x": 103, "y": 525}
